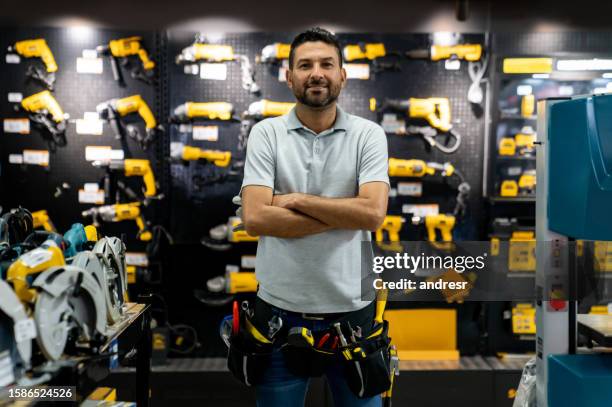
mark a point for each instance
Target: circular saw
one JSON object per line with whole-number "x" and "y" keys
{"x": 69, "y": 307}
{"x": 16, "y": 331}
{"x": 109, "y": 250}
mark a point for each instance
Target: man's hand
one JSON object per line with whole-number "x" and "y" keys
{"x": 287, "y": 201}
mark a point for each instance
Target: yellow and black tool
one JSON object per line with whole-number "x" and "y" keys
{"x": 528, "y": 106}
{"x": 41, "y": 219}
{"x": 375, "y": 53}
{"x": 300, "y": 337}
{"x": 201, "y": 51}
{"x": 527, "y": 182}
{"x": 467, "y": 52}
{"x": 391, "y": 226}
{"x": 181, "y": 152}
{"x": 37, "y": 48}
{"x": 436, "y": 112}
{"x": 130, "y": 167}
{"x": 33, "y": 262}
{"x": 122, "y": 49}
{"x": 509, "y": 188}
{"x": 441, "y": 223}
{"x": 190, "y": 111}
{"x": 43, "y": 109}
{"x": 257, "y": 111}
{"x": 119, "y": 213}
{"x": 274, "y": 53}
{"x": 113, "y": 110}
{"x": 521, "y": 144}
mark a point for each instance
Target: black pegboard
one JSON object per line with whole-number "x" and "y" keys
{"x": 33, "y": 187}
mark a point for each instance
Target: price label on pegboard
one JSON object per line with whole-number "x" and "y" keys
{"x": 17, "y": 126}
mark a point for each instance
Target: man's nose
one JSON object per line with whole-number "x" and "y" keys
{"x": 316, "y": 72}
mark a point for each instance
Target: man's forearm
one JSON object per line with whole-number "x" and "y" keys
{"x": 341, "y": 213}
{"x": 285, "y": 223}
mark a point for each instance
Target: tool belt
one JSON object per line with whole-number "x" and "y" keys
{"x": 365, "y": 353}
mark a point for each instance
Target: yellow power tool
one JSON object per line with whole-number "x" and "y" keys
{"x": 274, "y": 53}
{"x": 133, "y": 167}
{"x": 41, "y": 219}
{"x": 418, "y": 168}
{"x": 374, "y": 53}
{"x": 112, "y": 110}
{"x": 124, "y": 48}
{"x": 35, "y": 261}
{"x": 37, "y": 48}
{"x": 203, "y": 110}
{"x": 437, "y": 223}
{"x": 467, "y": 52}
{"x": 435, "y": 111}
{"x": 181, "y": 152}
{"x": 257, "y": 111}
{"x": 391, "y": 226}
{"x": 119, "y": 213}
{"x": 43, "y": 109}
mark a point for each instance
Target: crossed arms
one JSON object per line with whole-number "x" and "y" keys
{"x": 298, "y": 215}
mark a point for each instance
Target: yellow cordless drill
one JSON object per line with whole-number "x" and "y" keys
{"x": 392, "y": 225}
{"x": 257, "y": 111}
{"x": 112, "y": 110}
{"x": 37, "y": 48}
{"x": 119, "y": 213}
{"x": 123, "y": 48}
{"x": 202, "y": 110}
{"x": 437, "y": 223}
{"x": 43, "y": 109}
{"x": 41, "y": 219}
{"x": 130, "y": 167}
{"x": 467, "y": 52}
{"x": 274, "y": 53}
{"x": 374, "y": 53}
{"x": 181, "y": 152}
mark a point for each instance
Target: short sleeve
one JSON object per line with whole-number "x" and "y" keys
{"x": 374, "y": 163}
{"x": 259, "y": 167}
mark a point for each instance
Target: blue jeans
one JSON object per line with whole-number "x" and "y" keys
{"x": 281, "y": 388}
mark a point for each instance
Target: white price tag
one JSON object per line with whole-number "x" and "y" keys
{"x": 15, "y": 97}
{"x": 185, "y": 128}
{"x": 410, "y": 188}
{"x": 514, "y": 171}
{"x": 192, "y": 69}
{"x": 452, "y": 64}
{"x": 36, "y": 257}
{"x": 25, "y": 330}
{"x": 421, "y": 210}
{"x": 15, "y": 159}
{"x": 282, "y": 71}
{"x": 91, "y": 197}
{"x": 357, "y": 71}
{"x": 247, "y": 262}
{"x": 18, "y": 126}
{"x": 102, "y": 153}
{"x": 217, "y": 72}
{"x": 524, "y": 90}
{"x": 12, "y": 59}
{"x": 136, "y": 259}
{"x": 89, "y": 65}
{"x": 90, "y": 126}
{"x": 90, "y": 54}
{"x": 91, "y": 187}
{"x": 36, "y": 157}
{"x": 232, "y": 268}
{"x": 6, "y": 369}
{"x": 207, "y": 133}
{"x": 566, "y": 90}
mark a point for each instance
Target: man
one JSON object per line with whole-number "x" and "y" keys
{"x": 315, "y": 185}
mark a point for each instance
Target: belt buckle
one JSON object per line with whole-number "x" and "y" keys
{"x": 312, "y": 317}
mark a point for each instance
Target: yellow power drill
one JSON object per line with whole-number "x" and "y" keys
{"x": 130, "y": 167}
{"x": 112, "y": 110}
{"x": 37, "y": 48}
{"x": 435, "y": 111}
{"x": 123, "y": 48}
{"x": 392, "y": 225}
{"x": 41, "y": 219}
{"x": 274, "y": 53}
{"x": 418, "y": 168}
{"x": 202, "y": 110}
{"x": 43, "y": 109}
{"x": 119, "y": 213}
{"x": 181, "y": 152}
{"x": 35, "y": 261}
{"x": 200, "y": 51}
{"x": 467, "y": 52}
{"x": 374, "y": 53}
{"x": 257, "y": 111}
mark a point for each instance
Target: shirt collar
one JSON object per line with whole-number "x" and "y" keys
{"x": 341, "y": 122}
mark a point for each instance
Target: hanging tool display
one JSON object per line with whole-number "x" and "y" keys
{"x": 113, "y": 110}
{"x": 419, "y": 168}
{"x": 435, "y": 111}
{"x": 201, "y": 51}
{"x": 391, "y": 227}
{"x": 521, "y": 144}
{"x": 119, "y": 213}
{"x": 434, "y": 224}
{"x": 181, "y": 152}
{"x": 257, "y": 111}
{"x": 121, "y": 50}
{"x": 374, "y": 53}
{"x": 44, "y": 110}
{"x": 37, "y": 48}
{"x": 222, "y": 236}
{"x": 79, "y": 238}
{"x": 221, "y": 290}
{"x": 41, "y": 219}
{"x": 190, "y": 111}
{"x": 467, "y": 52}
{"x": 274, "y": 53}
{"x": 129, "y": 167}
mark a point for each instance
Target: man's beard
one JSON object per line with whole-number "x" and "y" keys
{"x": 307, "y": 99}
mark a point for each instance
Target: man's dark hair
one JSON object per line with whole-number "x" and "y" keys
{"x": 314, "y": 35}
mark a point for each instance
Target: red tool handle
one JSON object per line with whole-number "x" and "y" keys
{"x": 235, "y": 319}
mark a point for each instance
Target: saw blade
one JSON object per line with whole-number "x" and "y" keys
{"x": 13, "y": 308}
{"x": 112, "y": 280}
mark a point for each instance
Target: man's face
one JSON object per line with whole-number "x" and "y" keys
{"x": 316, "y": 77}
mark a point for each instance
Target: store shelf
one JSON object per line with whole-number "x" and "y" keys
{"x": 510, "y": 158}
{"x": 516, "y": 116}
{"x": 517, "y": 199}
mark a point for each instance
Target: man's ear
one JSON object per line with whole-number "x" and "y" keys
{"x": 289, "y": 78}
{"x": 343, "y": 73}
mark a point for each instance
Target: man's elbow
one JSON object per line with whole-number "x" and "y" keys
{"x": 252, "y": 226}
{"x": 376, "y": 219}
